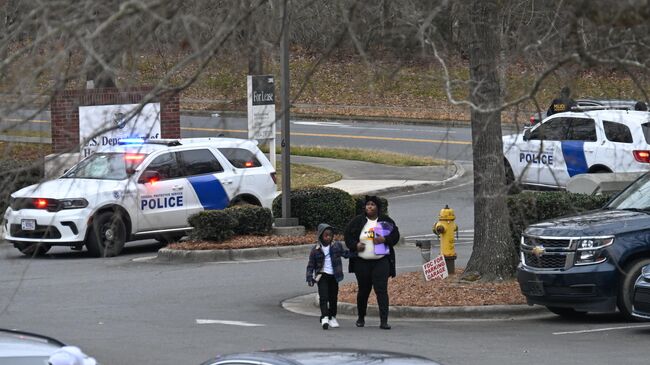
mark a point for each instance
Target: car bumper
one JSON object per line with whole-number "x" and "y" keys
{"x": 62, "y": 228}
{"x": 591, "y": 288}
{"x": 641, "y": 299}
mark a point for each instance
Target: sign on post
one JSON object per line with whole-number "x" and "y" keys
{"x": 261, "y": 110}
{"x": 435, "y": 269}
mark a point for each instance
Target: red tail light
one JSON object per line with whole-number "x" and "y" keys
{"x": 275, "y": 180}
{"x": 642, "y": 156}
{"x": 41, "y": 203}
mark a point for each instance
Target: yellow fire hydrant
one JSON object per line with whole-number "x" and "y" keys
{"x": 446, "y": 228}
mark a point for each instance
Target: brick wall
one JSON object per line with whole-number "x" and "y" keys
{"x": 65, "y": 105}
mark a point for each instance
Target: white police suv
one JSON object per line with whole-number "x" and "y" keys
{"x": 572, "y": 143}
{"x": 138, "y": 190}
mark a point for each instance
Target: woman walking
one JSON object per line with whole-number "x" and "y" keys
{"x": 372, "y": 236}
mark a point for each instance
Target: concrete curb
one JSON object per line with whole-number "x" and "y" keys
{"x": 308, "y": 305}
{"x": 245, "y": 254}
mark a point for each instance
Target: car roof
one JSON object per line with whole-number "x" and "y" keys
{"x": 629, "y": 117}
{"x": 326, "y": 357}
{"x": 18, "y": 344}
{"x": 154, "y": 145}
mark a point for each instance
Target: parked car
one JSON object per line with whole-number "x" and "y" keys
{"x": 138, "y": 189}
{"x": 641, "y": 301}
{"x": 587, "y": 104}
{"x": 24, "y": 348}
{"x": 320, "y": 357}
{"x": 571, "y": 143}
{"x": 589, "y": 262}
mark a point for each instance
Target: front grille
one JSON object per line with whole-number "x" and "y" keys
{"x": 547, "y": 242}
{"x": 545, "y": 261}
{"x": 642, "y": 300}
{"x": 41, "y": 232}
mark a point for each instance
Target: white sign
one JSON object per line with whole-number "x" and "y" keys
{"x": 261, "y": 107}
{"x": 104, "y": 125}
{"x": 435, "y": 269}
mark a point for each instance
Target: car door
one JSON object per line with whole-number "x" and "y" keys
{"x": 211, "y": 186}
{"x": 576, "y": 149}
{"x": 538, "y": 153}
{"x": 163, "y": 203}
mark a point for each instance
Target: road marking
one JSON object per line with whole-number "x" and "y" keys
{"x": 433, "y": 191}
{"x": 602, "y": 329}
{"x": 22, "y": 120}
{"x": 230, "y": 323}
{"x": 345, "y": 136}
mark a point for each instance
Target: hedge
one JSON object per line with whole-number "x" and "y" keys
{"x": 212, "y": 225}
{"x": 531, "y": 207}
{"x": 251, "y": 219}
{"x": 314, "y": 205}
{"x": 15, "y": 175}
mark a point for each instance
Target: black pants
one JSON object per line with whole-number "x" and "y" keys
{"x": 372, "y": 274}
{"x": 328, "y": 292}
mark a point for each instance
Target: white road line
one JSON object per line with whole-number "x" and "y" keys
{"x": 230, "y": 323}
{"x": 433, "y": 190}
{"x": 602, "y": 329}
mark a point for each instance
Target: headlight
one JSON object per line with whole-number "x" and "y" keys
{"x": 77, "y": 203}
{"x": 590, "y": 250}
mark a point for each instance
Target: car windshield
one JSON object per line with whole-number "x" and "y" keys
{"x": 109, "y": 166}
{"x": 635, "y": 197}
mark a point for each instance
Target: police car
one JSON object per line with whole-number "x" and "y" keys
{"x": 572, "y": 143}
{"x": 138, "y": 190}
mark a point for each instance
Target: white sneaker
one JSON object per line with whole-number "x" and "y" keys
{"x": 325, "y": 323}
{"x": 334, "y": 323}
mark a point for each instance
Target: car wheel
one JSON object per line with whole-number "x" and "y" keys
{"x": 169, "y": 237}
{"x": 567, "y": 312}
{"x": 512, "y": 185}
{"x": 32, "y": 249}
{"x": 626, "y": 287}
{"x": 107, "y": 236}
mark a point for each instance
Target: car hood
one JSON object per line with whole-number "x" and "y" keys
{"x": 68, "y": 188}
{"x": 595, "y": 223}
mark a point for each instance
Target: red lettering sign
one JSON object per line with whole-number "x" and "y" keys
{"x": 435, "y": 269}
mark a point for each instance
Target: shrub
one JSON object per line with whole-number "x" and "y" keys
{"x": 212, "y": 225}
{"x": 251, "y": 219}
{"x": 532, "y": 207}
{"x": 319, "y": 204}
{"x": 359, "y": 206}
{"x": 15, "y": 175}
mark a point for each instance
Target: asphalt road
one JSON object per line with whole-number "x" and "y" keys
{"x": 129, "y": 310}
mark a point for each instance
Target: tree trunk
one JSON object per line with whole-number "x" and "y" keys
{"x": 493, "y": 255}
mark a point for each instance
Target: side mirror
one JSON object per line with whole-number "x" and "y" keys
{"x": 149, "y": 177}
{"x": 526, "y": 134}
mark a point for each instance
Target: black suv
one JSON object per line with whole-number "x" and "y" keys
{"x": 589, "y": 262}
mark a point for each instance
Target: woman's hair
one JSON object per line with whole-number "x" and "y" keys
{"x": 374, "y": 199}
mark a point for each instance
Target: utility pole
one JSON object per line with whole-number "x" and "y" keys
{"x": 286, "y": 225}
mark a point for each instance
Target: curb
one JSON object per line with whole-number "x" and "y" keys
{"x": 308, "y": 305}
{"x": 245, "y": 254}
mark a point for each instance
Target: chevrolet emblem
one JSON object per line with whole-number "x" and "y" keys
{"x": 539, "y": 250}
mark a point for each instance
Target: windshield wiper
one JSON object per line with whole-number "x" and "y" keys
{"x": 641, "y": 210}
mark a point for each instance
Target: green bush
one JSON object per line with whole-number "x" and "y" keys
{"x": 15, "y": 175}
{"x": 212, "y": 225}
{"x": 251, "y": 219}
{"x": 359, "y": 206}
{"x": 532, "y": 207}
{"x": 319, "y": 204}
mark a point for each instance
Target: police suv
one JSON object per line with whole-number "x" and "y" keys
{"x": 572, "y": 143}
{"x": 139, "y": 189}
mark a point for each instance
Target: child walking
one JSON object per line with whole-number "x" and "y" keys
{"x": 326, "y": 269}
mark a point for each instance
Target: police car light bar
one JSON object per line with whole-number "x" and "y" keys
{"x": 136, "y": 141}
{"x": 127, "y": 141}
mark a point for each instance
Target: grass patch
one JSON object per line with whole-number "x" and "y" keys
{"x": 303, "y": 176}
{"x": 25, "y": 151}
{"x": 360, "y": 154}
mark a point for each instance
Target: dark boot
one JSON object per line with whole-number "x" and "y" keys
{"x": 384, "y": 325}
{"x": 360, "y": 322}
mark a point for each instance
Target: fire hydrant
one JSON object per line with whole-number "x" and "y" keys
{"x": 445, "y": 228}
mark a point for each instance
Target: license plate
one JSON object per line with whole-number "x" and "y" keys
{"x": 535, "y": 288}
{"x": 28, "y": 224}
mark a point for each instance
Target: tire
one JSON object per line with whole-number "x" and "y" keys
{"x": 511, "y": 185}
{"x": 626, "y": 288}
{"x": 32, "y": 249}
{"x": 567, "y": 312}
{"x": 169, "y": 237}
{"x": 107, "y": 236}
